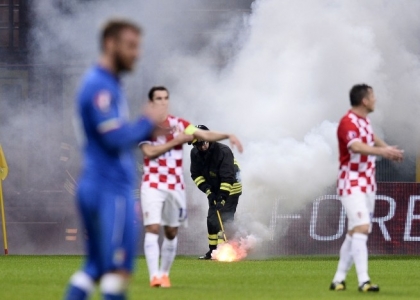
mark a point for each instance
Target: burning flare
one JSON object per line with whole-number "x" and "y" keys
{"x": 233, "y": 250}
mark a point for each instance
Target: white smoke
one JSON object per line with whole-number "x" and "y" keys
{"x": 286, "y": 88}
{"x": 278, "y": 78}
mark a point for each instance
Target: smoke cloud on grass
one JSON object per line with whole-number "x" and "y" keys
{"x": 286, "y": 87}
{"x": 66, "y": 36}
{"x": 278, "y": 76}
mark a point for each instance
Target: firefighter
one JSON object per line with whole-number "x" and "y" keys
{"x": 216, "y": 173}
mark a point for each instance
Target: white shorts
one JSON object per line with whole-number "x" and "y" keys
{"x": 164, "y": 207}
{"x": 359, "y": 209}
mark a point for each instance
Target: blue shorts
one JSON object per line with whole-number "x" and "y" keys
{"x": 109, "y": 219}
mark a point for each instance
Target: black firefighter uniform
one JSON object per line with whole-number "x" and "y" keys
{"x": 217, "y": 174}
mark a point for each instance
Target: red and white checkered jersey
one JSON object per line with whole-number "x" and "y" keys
{"x": 165, "y": 172}
{"x": 357, "y": 171}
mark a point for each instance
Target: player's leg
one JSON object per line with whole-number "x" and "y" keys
{"x": 364, "y": 280}
{"x": 152, "y": 203}
{"x": 79, "y": 287}
{"x": 346, "y": 258}
{"x": 168, "y": 253}
{"x": 113, "y": 285}
{"x": 173, "y": 215}
{"x": 344, "y": 264}
{"x": 360, "y": 231}
{"x": 360, "y": 252}
{"x": 359, "y": 217}
{"x": 82, "y": 283}
{"x": 118, "y": 244}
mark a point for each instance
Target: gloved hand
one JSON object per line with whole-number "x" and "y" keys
{"x": 212, "y": 199}
{"x": 220, "y": 202}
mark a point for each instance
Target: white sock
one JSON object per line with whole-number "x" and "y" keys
{"x": 346, "y": 260}
{"x": 113, "y": 284}
{"x": 168, "y": 254}
{"x": 360, "y": 256}
{"x": 151, "y": 251}
{"x": 83, "y": 281}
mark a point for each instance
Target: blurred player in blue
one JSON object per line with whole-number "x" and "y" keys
{"x": 105, "y": 188}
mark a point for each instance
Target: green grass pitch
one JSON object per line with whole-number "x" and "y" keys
{"x": 45, "y": 277}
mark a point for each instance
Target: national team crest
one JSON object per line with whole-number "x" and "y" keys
{"x": 103, "y": 101}
{"x": 351, "y": 135}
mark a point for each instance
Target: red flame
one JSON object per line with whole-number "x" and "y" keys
{"x": 233, "y": 250}
{"x": 227, "y": 252}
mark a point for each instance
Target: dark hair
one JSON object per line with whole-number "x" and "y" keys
{"x": 113, "y": 28}
{"x": 358, "y": 92}
{"x": 156, "y": 88}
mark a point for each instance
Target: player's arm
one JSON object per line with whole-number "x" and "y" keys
{"x": 362, "y": 148}
{"x": 117, "y": 135}
{"x": 214, "y": 136}
{"x": 379, "y": 142}
{"x": 389, "y": 152}
{"x": 153, "y": 151}
{"x": 396, "y": 155}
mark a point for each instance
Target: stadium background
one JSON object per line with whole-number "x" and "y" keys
{"x": 37, "y": 135}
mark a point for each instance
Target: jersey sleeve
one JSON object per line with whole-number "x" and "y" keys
{"x": 144, "y": 143}
{"x": 188, "y": 127}
{"x": 114, "y": 131}
{"x": 348, "y": 133}
{"x": 102, "y": 111}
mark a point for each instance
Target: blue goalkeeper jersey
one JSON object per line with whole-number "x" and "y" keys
{"x": 109, "y": 137}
